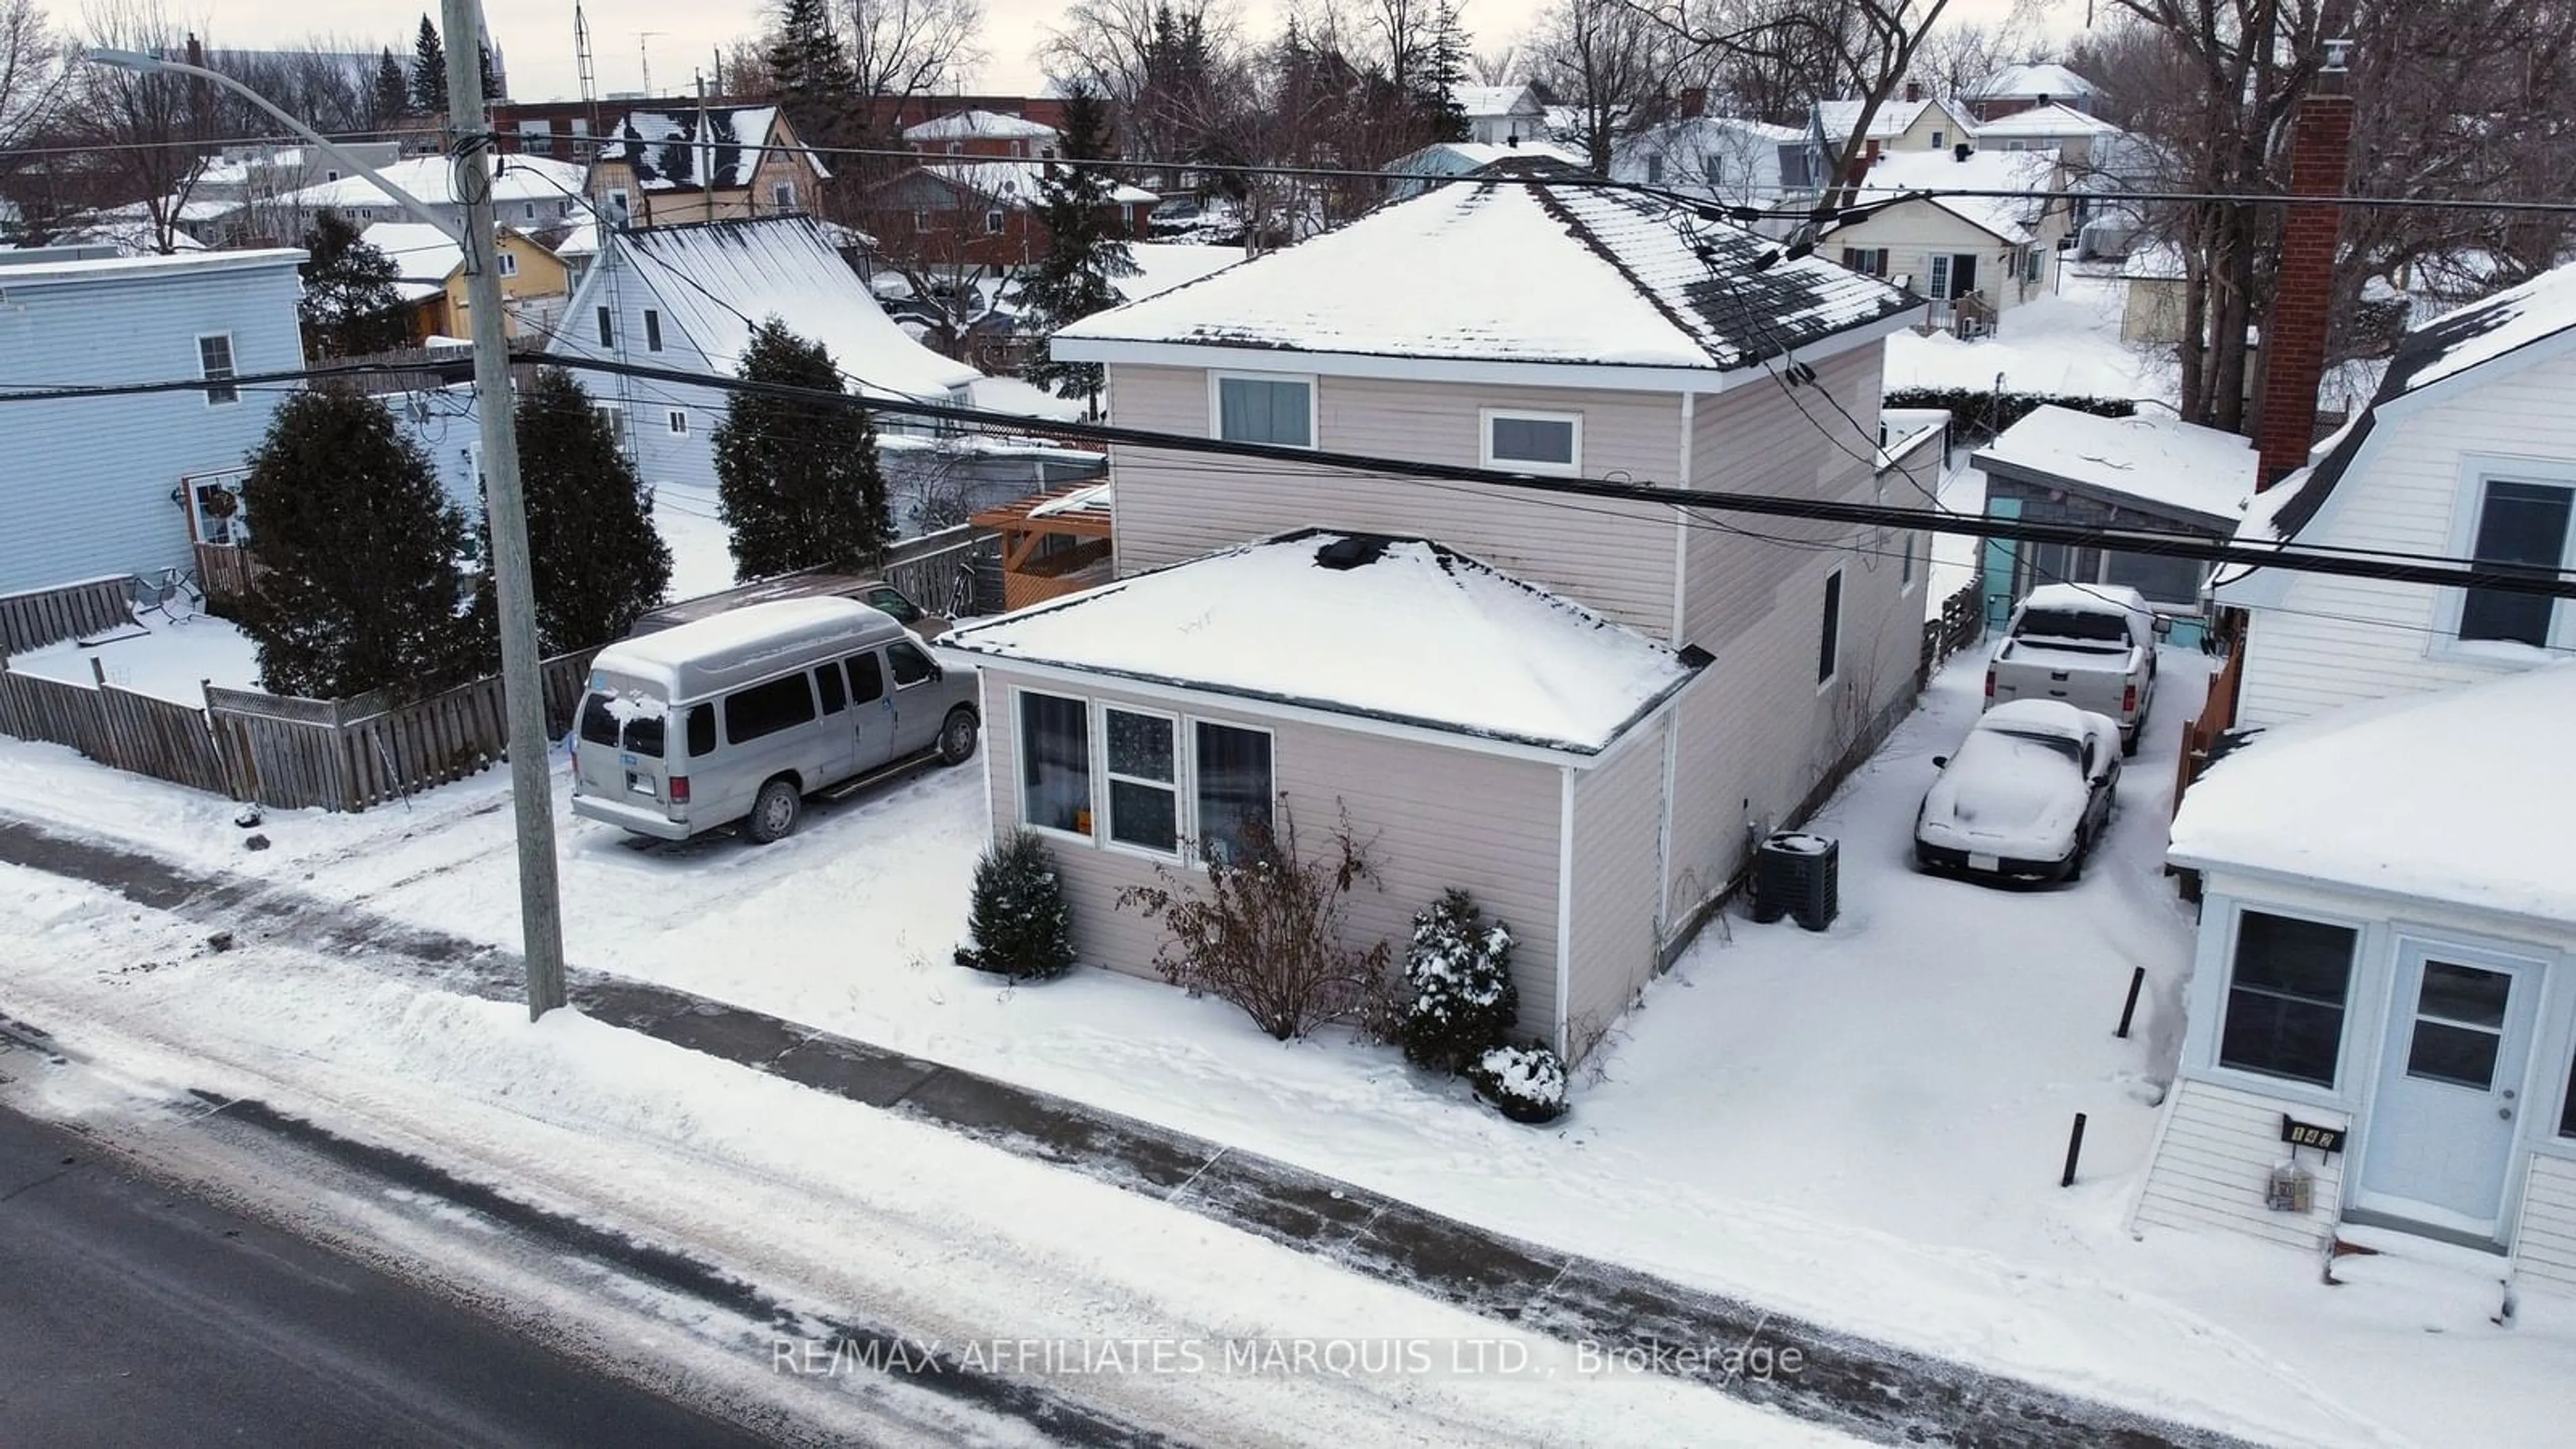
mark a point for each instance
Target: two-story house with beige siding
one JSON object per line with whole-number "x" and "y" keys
{"x": 709, "y": 163}
{"x": 1583, "y": 710}
{"x": 2387, "y": 948}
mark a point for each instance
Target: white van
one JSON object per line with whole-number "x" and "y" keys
{"x": 741, "y": 716}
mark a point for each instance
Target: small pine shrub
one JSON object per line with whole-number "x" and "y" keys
{"x": 1458, "y": 971}
{"x": 1020, "y": 921}
{"x": 1526, "y": 1084}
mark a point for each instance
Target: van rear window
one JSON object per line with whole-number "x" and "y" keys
{"x": 639, "y": 733}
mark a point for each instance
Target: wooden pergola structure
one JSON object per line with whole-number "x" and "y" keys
{"x": 1053, "y": 544}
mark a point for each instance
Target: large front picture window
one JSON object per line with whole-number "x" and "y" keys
{"x": 2285, "y": 998}
{"x": 1055, "y": 762}
{"x": 1144, "y": 780}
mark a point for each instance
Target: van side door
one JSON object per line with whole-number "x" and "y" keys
{"x": 836, "y": 756}
{"x": 918, "y": 706}
{"x": 871, "y": 715}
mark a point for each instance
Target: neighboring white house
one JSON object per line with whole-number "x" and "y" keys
{"x": 1915, "y": 123}
{"x": 1975, "y": 256}
{"x": 528, "y": 192}
{"x": 2388, "y": 927}
{"x": 116, "y": 485}
{"x": 1584, "y": 716}
{"x": 1740, "y": 163}
{"x": 1502, "y": 115}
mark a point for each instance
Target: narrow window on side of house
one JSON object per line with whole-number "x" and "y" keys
{"x": 782, "y": 195}
{"x": 215, "y": 365}
{"x": 1829, "y": 644}
{"x": 679, "y": 422}
{"x": 2286, "y": 996}
{"x": 509, "y": 264}
{"x": 1144, "y": 780}
{"x": 607, "y": 328}
{"x": 2521, "y": 526}
{"x": 2567, "y": 1109}
{"x": 652, "y": 330}
{"x": 995, "y": 222}
{"x": 1230, "y": 771}
{"x": 1055, "y": 763}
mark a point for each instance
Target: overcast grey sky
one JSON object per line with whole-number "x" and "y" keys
{"x": 679, "y": 36}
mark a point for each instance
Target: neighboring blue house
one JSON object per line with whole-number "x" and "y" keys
{"x": 118, "y": 485}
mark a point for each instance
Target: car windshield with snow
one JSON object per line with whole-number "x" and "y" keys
{"x": 2025, "y": 797}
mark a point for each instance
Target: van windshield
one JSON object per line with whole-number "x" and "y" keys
{"x": 635, "y": 726}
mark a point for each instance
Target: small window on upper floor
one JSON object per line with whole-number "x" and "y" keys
{"x": 1533, "y": 442}
{"x": 509, "y": 264}
{"x": 1278, "y": 410}
{"x": 1654, "y": 171}
{"x": 215, "y": 365}
{"x": 652, "y": 329}
{"x": 782, "y": 195}
{"x": 2521, "y": 527}
{"x": 1940, "y": 140}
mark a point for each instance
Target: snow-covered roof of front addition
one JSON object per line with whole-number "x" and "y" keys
{"x": 2052, "y": 119}
{"x": 2459, "y": 797}
{"x": 717, "y": 279}
{"x": 1398, "y": 630}
{"x": 2040, "y": 78}
{"x": 2149, "y": 461}
{"x": 1515, "y": 270}
{"x": 1891, "y": 120}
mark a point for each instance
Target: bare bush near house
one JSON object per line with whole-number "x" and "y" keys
{"x": 1263, "y": 931}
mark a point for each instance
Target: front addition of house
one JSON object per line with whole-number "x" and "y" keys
{"x": 2388, "y": 935}
{"x": 1324, "y": 640}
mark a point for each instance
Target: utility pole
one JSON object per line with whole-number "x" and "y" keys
{"x": 505, "y": 504}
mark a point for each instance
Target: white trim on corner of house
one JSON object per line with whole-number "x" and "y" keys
{"x": 1682, "y": 521}
{"x": 1564, "y": 907}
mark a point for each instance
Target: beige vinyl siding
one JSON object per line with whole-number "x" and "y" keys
{"x": 2544, "y": 1241}
{"x": 1614, "y": 940}
{"x": 2337, "y": 641}
{"x": 1913, "y": 231}
{"x": 1432, "y": 818}
{"x": 1612, "y": 556}
{"x": 2212, "y": 1165}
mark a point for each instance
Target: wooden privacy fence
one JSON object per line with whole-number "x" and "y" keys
{"x": 35, "y": 618}
{"x": 138, "y": 732}
{"x": 1962, "y": 623}
{"x": 350, "y": 754}
{"x": 930, "y": 569}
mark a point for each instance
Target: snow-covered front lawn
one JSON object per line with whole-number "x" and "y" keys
{"x": 1863, "y": 1127}
{"x": 155, "y": 656}
{"x": 2065, "y": 342}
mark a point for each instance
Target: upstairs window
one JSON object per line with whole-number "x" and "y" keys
{"x": 1829, "y": 646}
{"x": 652, "y": 330}
{"x": 1654, "y": 171}
{"x": 995, "y": 222}
{"x": 1266, "y": 410}
{"x": 509, "y": 264}
{"x": 607, "y": 328}
{"x": 215, "y": 365}
{"x": 1533, "y": 442}
{"x": 1868, "y": 261}
{"x": 782, "y": 195}
{"x": 2522, "y": 527}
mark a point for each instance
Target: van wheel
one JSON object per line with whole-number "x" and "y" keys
{"x": 773, "y": 811}
{"x": 957, "y": 737}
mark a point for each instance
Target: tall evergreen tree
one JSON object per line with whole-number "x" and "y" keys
{"x": 798, "y": 481}
{"x": 390, "y": 97}
{"x": 1086, "y": 246}
{"x": 358, "y": 544}
{"x": 428, "y": 71}
{"x": 1444, "y": 71}
{"x": 597, "y": 561}
{"x": 813, "y": 72}
{"x": 350, "y": 306}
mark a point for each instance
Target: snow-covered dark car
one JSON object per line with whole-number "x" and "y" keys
{"x": 2025, "y": 798}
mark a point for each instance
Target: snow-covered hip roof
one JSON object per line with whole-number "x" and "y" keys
{"x": 2152, "y": 462}
{"x": 717, "y": 279}
{"x": 1510, "y": 270}
{"x": 2043, "y": 78}
{"x": 432, "y": 179}
{"x": 2051, "y": 120}
{"x": 1395, "y": 630}
{"x": 2458, "y": 797}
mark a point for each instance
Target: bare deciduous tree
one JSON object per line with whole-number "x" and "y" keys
{"x": 153, "y": 132}
{"x": 31, "y": 74}
{"x": 912, "y": 47}
{"x": 1612, "y": 64}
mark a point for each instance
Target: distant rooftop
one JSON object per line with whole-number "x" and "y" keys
{"x": 2150, "y": 461}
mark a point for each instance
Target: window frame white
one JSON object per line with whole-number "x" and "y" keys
{"x": 2468, "y": 510}
{"x": 679, "y": 422}
{"x": 1091, "y": 747}
{"x": 2365, "y": 990}
{"x": 1193, "y": 838}
{"x": 1488, "y": 458}
{"x": 1104, "y": 799}
{"x": 229, "y": 377}
{"x": 996, "y": 221}
{"x": 507, "y": 262}
{"x": 782, "y": 193}
{"x": 1314, "y": 403}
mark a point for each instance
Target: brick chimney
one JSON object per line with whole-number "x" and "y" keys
{"x": 2294, "y": 340}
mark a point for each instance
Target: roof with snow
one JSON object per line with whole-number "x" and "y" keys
{"x": 2150, "y": 462}
{"x": 1496, "y": 100}
{"x": 716, "y": 148}
{"x": 2463, "y": 801}
{"x": 1511, "y": 271}
{"x": 1894, "y": 118}
{"x": 1445, "y": 643}
{"x": 432, "y": 179}
{"x": 37, "y": 266}
{"x": 1161, "y": 266}
{"x": 423, "y": 256}
{"x": 1015, "y": 183}
{"x": 2471, "y": 337}
{"x": 2045, "y": 78}
{"x": 984, "y": 125}
{"x": 2051, "y": 120}
{"x": 1464, "y": 158}
{"x": 2010, "y": 218}
{"x": 716, "y": 279}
